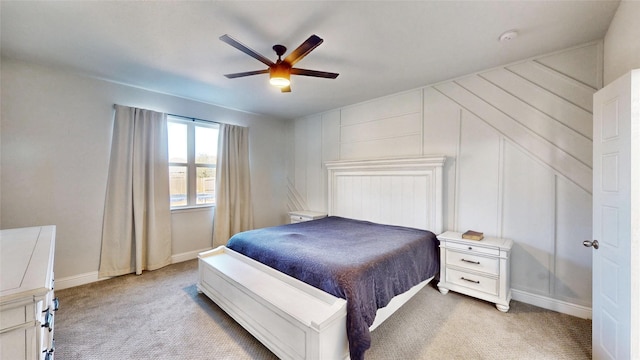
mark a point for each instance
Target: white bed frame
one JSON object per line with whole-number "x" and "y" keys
{"x": 298, "y": 321}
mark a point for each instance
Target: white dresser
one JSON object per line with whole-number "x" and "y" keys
{"x": 27, "y": 304}
{"x": 477, "y": 268}
{"x": 305, "y": 215}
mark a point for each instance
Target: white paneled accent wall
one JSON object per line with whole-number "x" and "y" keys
{"x": 389, "y": 127}
{"x": 518, "y": 141}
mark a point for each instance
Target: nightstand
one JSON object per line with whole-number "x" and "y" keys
{"x": 476, "y": 268}
{"x": 305, "y": 215}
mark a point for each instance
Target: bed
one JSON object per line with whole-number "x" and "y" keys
{"x": 297, "y": 320}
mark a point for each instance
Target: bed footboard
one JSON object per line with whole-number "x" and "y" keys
{"x": 294, "y": 320}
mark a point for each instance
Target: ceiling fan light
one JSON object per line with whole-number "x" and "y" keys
{"x": 279, "y": 81}
{"x": 279, "y": 76}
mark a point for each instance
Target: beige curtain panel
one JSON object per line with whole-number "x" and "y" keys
{"x": 136, "y": 233}
{"x": 233, "y": 184}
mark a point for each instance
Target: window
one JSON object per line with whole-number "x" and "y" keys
{"x": 193, "y": 151}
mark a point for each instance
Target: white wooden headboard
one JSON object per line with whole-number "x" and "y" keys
{"x": 404, "y": 191}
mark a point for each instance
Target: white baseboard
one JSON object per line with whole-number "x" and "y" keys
{"x": 552, "y": 304}
{"x": 90, "y": 277}
{"x": 187, "y": 255}
{"x": 77, "y": 280}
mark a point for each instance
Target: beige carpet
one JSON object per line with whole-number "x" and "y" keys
{"x": 160, "y": 315}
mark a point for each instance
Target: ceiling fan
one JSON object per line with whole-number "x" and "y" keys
{"x": 280, "y": 71}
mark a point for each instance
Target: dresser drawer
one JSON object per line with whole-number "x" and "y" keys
{"x": 472, "y": 281}
{"x": 473, "y": 248}
{"x": 474, "y": 262}
{"x": 18, "y": 315}
{"x": 18, "y": 344}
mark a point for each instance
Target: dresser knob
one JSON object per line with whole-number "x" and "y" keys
{"x": 48, "y": 318}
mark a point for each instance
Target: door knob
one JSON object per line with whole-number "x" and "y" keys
{"x": 589, "y": 243}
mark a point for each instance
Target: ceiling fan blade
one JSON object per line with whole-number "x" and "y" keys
{"x": 286, "y": 89}
{"x": 246, "y": 73}
{"x": 238, "y": 45}
{"x": 314, "y": 73}
{"x": 305, "y": 48}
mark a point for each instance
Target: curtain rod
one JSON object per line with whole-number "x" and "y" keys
{"x": 184, "y": 117}
{"x": 195, "y": 119}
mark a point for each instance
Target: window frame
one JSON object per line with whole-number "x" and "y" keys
{"x": 191, "y": 165}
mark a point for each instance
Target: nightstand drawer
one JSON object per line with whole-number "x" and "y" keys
{"x": 473, "y": 248}
{"x": 300, "y": 216}
{"x": 473, "y": 262}
{"x": 472, "y": 281}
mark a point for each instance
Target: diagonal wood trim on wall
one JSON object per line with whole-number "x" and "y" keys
{"x": 557, "y": 133}
{"x": 557, "y": 83}
{"x": 295, "y": 201}
{"x": 565, "y": 112}
{"x": 540, "y": 147}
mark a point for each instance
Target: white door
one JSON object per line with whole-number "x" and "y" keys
{"x": 616, "y": 219}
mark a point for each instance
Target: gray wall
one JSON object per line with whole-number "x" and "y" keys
{"x": 56, "y": 137}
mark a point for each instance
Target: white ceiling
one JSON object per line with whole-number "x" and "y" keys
{"x": 377, "y": 47}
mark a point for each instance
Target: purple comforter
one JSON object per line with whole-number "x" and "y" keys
{"x": 365, "y": 263}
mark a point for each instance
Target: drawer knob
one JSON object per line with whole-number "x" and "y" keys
{"x": 470, "y": 261}
{"x": 48, "y": 354}
{"x": 469, "y": 280}
{"x": 48, "y": 318}
{"x": 470, "y": 248}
